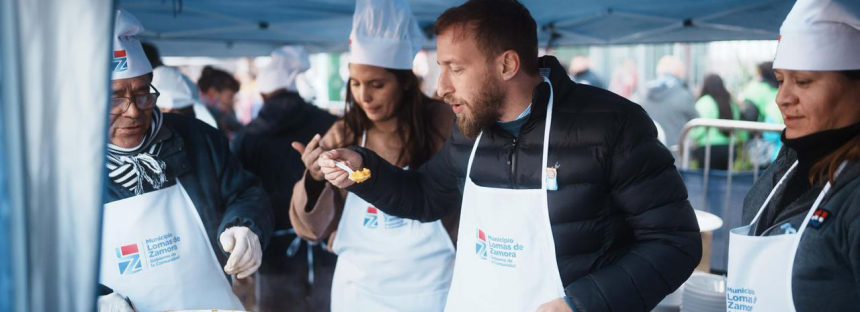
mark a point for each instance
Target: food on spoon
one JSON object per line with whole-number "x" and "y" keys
{"x": 359, "y": 176}
{"x": 356, "y": 176}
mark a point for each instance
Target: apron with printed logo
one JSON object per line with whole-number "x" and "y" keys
{"x": 505, "y": 249}
{"x": 760, "y": 267}
{"x": 386, "y": 263}
{"x": 156, "y": 252}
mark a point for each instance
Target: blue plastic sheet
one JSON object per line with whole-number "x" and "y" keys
{"x": 6, "y": 294}
{"x": 722, "y": 200}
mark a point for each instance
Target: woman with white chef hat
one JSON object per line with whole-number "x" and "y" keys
{"x": 385, "y": 263}
{"x": 801, "y": 249}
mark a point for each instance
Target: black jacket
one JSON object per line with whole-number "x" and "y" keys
{"x": 625, "y": 234}
{"x": 263, "y": 147}
{"x": 224, "y": 194}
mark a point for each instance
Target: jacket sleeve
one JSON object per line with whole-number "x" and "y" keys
{"x": 315, "y": 208}
{"x": 246, "y": 203}
{"x": 666, "y": 247}
{"x": 425, "y": 194}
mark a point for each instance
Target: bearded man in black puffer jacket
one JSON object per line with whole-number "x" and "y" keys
{"x": 615, "y": 208}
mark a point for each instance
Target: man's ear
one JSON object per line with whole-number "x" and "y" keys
{"x": 508, "y": 64}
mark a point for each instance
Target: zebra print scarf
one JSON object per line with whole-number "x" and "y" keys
{"x": 130, "y": 168}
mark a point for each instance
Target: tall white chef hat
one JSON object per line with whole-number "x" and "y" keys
{"x": 820, "y": 35}
{"x": 129, "y": 61}
{"x": 281, "y": 72}
{"x": 177, "y": 91}
{"x": 384, "y": 34}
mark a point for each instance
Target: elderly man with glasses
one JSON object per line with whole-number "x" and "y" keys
{"x": 174, "y": 192}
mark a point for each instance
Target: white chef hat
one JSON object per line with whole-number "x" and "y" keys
{"x": 177, "y": 91}
{"x": 285, "y": 66}
{"x": 384, "y": 34}
{"x": 129, "y": 61}
{"x": 820, "y": 35}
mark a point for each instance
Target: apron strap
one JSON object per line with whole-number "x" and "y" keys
{"x": 547, "y": 126}
{"x": 772, "y": 192}
{"x": 472, "y": 156}
{"x": 545, "y": 159}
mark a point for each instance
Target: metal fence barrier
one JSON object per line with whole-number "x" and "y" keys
{"x": 720, "y": 192}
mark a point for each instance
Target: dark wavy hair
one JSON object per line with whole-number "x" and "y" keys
{"x": 416, "y": 128}
{"x": 212, "y": 77}
{"x": 496, "y": 26}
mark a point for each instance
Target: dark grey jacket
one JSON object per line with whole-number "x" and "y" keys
{"x": 669, "y": 102}
{"x": 826, "y": 273}
{"x": 625, "y": 234}
{"x": 224, "y": 194}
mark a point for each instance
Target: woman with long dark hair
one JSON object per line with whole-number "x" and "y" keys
{"x": 714, "y": 102}
{"x": 385, "y": 263}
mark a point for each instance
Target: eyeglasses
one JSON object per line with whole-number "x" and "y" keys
{"x": 120, "y": 104}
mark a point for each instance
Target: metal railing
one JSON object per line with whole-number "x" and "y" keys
{"x": 732, "y": 126}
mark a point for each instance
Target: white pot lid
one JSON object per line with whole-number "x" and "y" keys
{"x": 708, "y": 221}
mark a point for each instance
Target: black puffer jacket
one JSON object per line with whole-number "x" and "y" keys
{"x": 263, "y": 147}
{"x": 625, "y": 234}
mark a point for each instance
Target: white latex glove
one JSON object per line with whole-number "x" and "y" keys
{"x": 245, "y": 251}
{"x": 114, "y": 303}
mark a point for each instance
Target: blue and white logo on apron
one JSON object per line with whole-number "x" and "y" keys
{"x": 498, "y": 250}
{"x": 392, "y": 222}
{"x": 157, "y": 251}
{"x": 371, "y": 218}
{"x": 740, "y": 299}
{"x": 163, "y": 249}
{"x": 481, "y": 245}
{"x": 128, "y": 257}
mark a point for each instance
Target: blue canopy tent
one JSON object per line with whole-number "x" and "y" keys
{"x": 255, "y": 27}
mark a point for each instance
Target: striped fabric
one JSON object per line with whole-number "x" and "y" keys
{"x": 131, "y": 169}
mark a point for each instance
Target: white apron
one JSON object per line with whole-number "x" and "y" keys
{"x": 505, "y": 249}
{"x": 760, "y": 267}
{"x": 386, "y": 263}
{"x": 156, "y": 251}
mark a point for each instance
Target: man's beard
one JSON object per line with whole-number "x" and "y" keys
{"x": 483, "y": 111}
